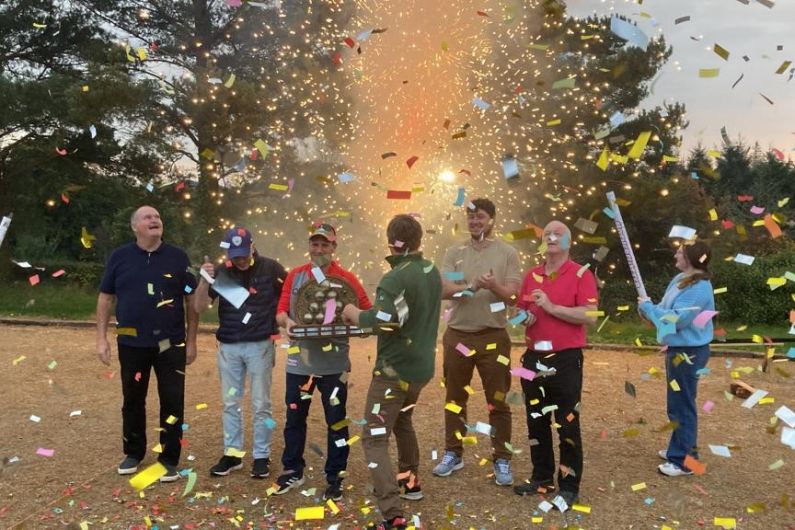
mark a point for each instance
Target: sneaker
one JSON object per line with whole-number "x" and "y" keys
{"x": 397, "y": 523}
{"x": 171, "y": 474}
{"x": 128, "y": 466}
{"x": 663, "y": 453}
{"x": 450, "y": 462}
{"x": 286, "y": 482}
{"x": 672, "y": 470}
{"x": 333, "y": 491}
{"x": 502, "y": 472}
{"x": 533, "y": 487}
{"x": 226, "y": 465}
{"x": 565, "y": 500}
{"x": 261, "y": 468}
{"x": 410, "y": 494}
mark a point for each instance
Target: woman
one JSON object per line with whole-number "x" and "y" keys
{"x": 687, "y": 296}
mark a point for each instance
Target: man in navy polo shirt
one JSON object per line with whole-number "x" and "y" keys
{"x": 244, "y": 344}
{"x": 150, "y": 282}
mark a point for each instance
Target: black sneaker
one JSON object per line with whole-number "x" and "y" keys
{"x": 411, "y": 494}
{"x": 128, "y": 466}
{"x": 286, "y": 482}
{"x": 261, "y": 468}
{"x": 226, "y": 465}
{"x": 533, "y": 487}
{"x": 171, "y": 474}
{"x": 333, "y": 491}
{"x": 569, "y": 497}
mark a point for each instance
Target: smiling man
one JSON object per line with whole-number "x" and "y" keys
{"x": 150, "y": 282}
{"x": 482, "y": 278}
{"x": 559, "y": 296}
{"x": 245, "y": 347}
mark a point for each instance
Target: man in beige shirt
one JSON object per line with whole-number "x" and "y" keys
{"x": 482, "y": 277}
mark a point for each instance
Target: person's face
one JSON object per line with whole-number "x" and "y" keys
{"x": 478, "y": 222}
{"x": 320, "y": 246}
{"x": 242, "y": 263}
{"x": 147, "y": 223}
{"x": 557, "y": 238}
{"x": 681, "y": 259}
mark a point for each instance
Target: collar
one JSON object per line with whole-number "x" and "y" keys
{"x": 396, "y": 259}
{"x": 144, "y": 251}
{"x": 541, "y": 268}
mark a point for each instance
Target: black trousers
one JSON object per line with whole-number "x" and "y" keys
{"x": 557, "y": 394}
{"x": 169, "y": 366}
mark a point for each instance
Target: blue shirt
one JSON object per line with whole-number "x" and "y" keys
{"x": 149, "y": 289}
{"x": 673, "y": 316}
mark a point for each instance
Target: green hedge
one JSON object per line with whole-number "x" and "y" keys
{"x": 82, "y": 274}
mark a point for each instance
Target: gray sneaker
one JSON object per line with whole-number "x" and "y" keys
{"x": 450, "y": 462}
{"x": 128, "y": 466}
{"x": 171, "y": 474}
{"x": 502, "y": 472}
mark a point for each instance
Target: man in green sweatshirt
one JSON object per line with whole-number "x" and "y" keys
{"x": 410, "y": 296}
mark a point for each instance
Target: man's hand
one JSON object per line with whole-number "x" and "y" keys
{"x": 103, "y": 351}
{"x": 289, "y": 327}
{"x": 208, "y": 267}
{"x": 190, "y": 352}
{"x": 541, "y": 299}
{"x": 531, "y": 319}
{"x": 350, "y": 315}
{"x": 486, "y": 281}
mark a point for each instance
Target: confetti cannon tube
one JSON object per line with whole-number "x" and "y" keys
{"x": 622, "y": 234}
{"x": 4, "y": 224}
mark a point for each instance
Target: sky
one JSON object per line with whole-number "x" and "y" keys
{"x": 753, "y": 30}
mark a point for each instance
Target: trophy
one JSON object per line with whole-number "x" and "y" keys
{"x": 318, "y": 310}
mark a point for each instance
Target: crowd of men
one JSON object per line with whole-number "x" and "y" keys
{"x": 158, "y": 300}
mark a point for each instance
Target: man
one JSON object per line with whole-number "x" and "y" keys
{"x": 320, "y": 363}
{"x": 409, "y": 296}
{"x": 560, "y": 297}
{"x": 482, "y": 277}
{"x": 151, "y": 285}
{"x": 244, "y": 345}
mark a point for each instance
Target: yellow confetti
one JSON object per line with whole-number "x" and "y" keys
{"x": 332, "y": 506}
{"x": 353, "y": 439}
{"x": 237, "y": 453}
{"x": 552, "y": 123}
{"x": 639, "y": 145}
{"x": 148, "y": 476}
{"x": 452, "y": 407}
{"x": 725, "y": 522}
{"x": 293, "y": 350}
{"x": 469, "y": 390}
{"x": 639, "y": 486}
{"x": 720, "y": 290}
{"x": 309, "y": 512}
{"x": 502, "y": 359}
{"x": 713, "y": 214}
{"x": 674, "y": 385}
{"x": 491, "y": 346}
{"x": 201, "y": 406}
{"x": 708, "y": 72}
{"x": 262, "y": 147}
{"x": 581, "y": 508}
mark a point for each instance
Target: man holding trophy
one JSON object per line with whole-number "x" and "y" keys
{"x": 314, "y": 295}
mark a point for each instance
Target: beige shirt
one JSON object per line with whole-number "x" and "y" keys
{"x": 474, "y": 313}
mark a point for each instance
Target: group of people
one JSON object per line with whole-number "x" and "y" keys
{"x": 158, "y": 302}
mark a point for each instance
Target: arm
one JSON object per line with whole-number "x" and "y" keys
{"x": 385, "y": 303}
{"x": 104, "y": 306}
{"x": 450, "y": 288}
{"x": 572, "y": 315}
{"x": 192, "y": 318}
{"x": 202, "y": 299}
{"x": 283, "y": 307}
{"x": 686, "y": 306}
{"x": 507, "y": 292}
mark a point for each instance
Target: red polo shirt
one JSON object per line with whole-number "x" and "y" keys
{"x": 563, "y": 288}
{"x": 305, "y": 271}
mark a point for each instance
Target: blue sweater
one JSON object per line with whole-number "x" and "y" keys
{"x": 673, "y": 316}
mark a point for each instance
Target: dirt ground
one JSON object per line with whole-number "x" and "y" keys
{"x": 50, "y": 372}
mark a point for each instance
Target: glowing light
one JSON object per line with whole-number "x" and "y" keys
{"x": 447, "y": 176}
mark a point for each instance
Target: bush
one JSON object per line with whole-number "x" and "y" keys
{"x": 82, "y": 274}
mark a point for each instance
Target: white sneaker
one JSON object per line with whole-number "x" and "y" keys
{"x": 672, "y": 470}
{"x": 663, "y": 453}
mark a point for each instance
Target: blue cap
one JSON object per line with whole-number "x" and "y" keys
{"x": 237, "y": 242}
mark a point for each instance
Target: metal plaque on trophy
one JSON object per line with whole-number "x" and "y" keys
{"x": 318, "y": 310}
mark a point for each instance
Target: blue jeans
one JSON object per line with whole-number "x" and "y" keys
{"x": 234, "y": 362}
{"x": 682, "y": 404}
{"x": 295, "y": 426}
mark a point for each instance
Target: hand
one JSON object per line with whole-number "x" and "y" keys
{"x": 208, "y": 267}
{"x": 642, "y": 299}
{"x": 190, "y": 352}
{"x": 103, "y": 351}
{"x": 289, "y": 327}
{"x": 541, "y": 299}
{"x": 531, "y": 319}
{"x": 486, "y": 281}
{"x": 350, "y": 315}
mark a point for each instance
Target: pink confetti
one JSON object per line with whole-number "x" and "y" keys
{"x": 702, "y": 318}
{"x": 34, "y": 280}
{"x": 446, "y": 315}
{"x": 331, "y": 307}
{"x": 58, "y": 273}
{"x": 233, "y": 3}
{"x": 708, "y": 406}
{"x": 524, "y": 373}
{"x": 466, "y": 352}
{"x": 45, "y": 452}
{"x": 756, "y": 210}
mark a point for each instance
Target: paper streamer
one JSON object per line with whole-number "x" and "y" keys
{"x": 4, "y": 224}
{"x": 331, "y": 307}
{"x": 627, "y": 245}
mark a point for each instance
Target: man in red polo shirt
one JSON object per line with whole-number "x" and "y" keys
{"x": 560, "y": 297}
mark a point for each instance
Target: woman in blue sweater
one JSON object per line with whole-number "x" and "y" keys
{"x": 688, "y": 295}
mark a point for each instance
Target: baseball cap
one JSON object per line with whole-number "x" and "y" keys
{"x": 324, "y": 230}
{"x": 237, "y": 242}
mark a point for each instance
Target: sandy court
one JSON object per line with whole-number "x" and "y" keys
{"x": 51, "y": 372}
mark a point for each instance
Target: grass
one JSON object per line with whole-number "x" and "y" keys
{"x": 67, "y": 302}
{"x": 19, "y": 299}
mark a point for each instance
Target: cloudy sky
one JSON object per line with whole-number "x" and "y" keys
{"x": 744, "y": 29}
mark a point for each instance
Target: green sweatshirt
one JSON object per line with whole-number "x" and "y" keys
{"x": 410, "y": 295}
